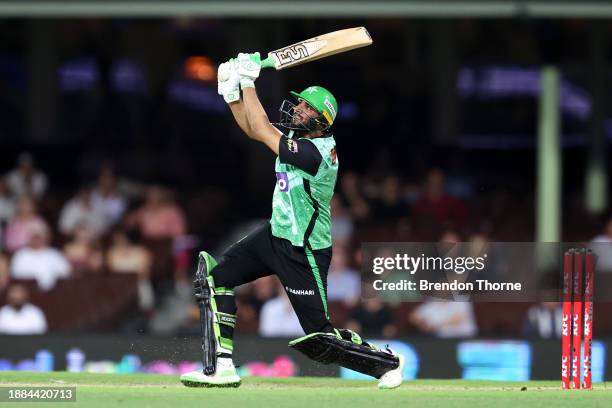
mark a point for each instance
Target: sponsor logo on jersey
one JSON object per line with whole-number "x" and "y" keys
{"x": 283, "y": 181}
{"x": 292, "y": 145}
{"x": 333, "y": 155}
{"x": 300, "y": 292}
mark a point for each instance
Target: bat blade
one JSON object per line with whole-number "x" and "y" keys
{"x": 318, "y": 47}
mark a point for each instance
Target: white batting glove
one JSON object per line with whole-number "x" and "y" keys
{"x": 249, "y": 66}
{"x": 228, "y": 80}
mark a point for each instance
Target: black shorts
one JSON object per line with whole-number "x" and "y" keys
{"x": 302, "y": 272}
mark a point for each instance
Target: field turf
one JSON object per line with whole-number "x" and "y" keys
{"x": 126, "y": 391}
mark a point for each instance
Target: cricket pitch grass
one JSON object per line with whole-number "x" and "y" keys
{"x": 117, "y": 390}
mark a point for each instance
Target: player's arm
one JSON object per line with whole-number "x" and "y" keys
{"x": 228, "y": 81}
{"x": 258, "y": 121}
{"x": 261, "y": 129}
{"x": 239, "y": 114}
{"x": 301, "y": 153}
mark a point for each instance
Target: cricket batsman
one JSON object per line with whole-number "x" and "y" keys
{"x": 296, "y": 243}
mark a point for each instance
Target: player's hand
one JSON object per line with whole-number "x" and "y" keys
{"x": 249, "y": 66}
{"x": 223, "y": 72}
{"x": 228, "y": 80}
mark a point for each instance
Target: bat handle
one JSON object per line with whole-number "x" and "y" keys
{"x": 267, "y": 63}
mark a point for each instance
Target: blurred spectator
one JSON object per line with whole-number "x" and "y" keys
{"x": 81, "y": 211}
{"x": 450, "y": 236}
{"x": 19, "y": 316}
{"x": 604, "y": 256}
{"x": 352, "y": 197}
{"x": 372, "y": 317}
{"x": 445, "y": 319}
{"x": 107, "y": 199}
{"x": 159, "y": 217}
{"x": 125, "y": 187}
{"x": 389, "y": 207}
{"x": 182, "y": 247}
{"x": 26, "y": 179}
{"x": 19, "y": 228}
{"x": 478, "y": 244}
{"x": 278, "y": 319}
{"x": 84, "y": 252}
{"x": 438, "y": 206}
{"x": 250, "y": 299}
{"x": 495, "y": 268}
{"x": 459, "y": 183}
{"x": 342, "y": 224}
{"x": 343, "y": 282}
{"x": 263, "y": 289}
{"x": 544, "y": 320}
{"x": 5, "y": 274}
{"x": 39, "y": 261}
{"x": 123, "y": 256}
{"x": 7, "y": 204}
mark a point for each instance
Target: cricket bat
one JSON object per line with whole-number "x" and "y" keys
{"x": 318, "y": 47}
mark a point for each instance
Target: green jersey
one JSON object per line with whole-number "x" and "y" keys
{"x": 306, "y": 171}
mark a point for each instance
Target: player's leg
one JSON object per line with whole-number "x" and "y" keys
{"x": 303, "y": 273}
{"x": 304, "y": 276}
{"x": 240, "y": 264}
{"x": 217, "y": 371}
{"x": 347, "y": 349}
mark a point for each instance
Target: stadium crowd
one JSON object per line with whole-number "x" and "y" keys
{"x": 116, "y": 226}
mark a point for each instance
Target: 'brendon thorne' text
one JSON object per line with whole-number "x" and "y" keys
{"x": 425, "y": 285}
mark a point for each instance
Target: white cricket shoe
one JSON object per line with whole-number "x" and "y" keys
{"x": 393, "y": 378}
{"x": 225, "y": 376}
